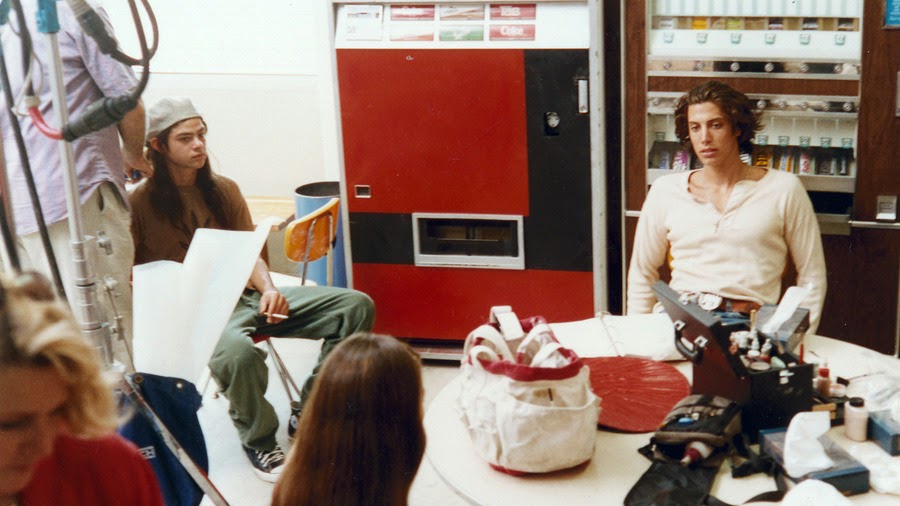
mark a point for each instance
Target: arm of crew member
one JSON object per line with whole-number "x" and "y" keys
{"x": 131, "y": 129}
{"x": 271, "y": 301}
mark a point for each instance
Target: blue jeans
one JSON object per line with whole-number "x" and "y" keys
{"x": 730, "y": 318}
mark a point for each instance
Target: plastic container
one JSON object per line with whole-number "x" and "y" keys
{"x": 695, "y": 452}
{"x": 308, "y": 198}
{"x": 856, "y": 419}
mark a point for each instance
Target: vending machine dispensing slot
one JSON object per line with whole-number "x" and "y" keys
{"x": 468, "y": 240}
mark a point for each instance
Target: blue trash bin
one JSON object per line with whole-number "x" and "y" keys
{"x": 310, "y": 197}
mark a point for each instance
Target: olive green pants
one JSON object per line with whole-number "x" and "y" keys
{"x": 239, "y": 368}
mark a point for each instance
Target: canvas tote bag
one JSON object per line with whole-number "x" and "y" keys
{"x": 525, "y": 400}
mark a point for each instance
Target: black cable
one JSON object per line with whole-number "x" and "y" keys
{"x": 25, "y": 38}
{"x": 94, "y": 26}
{"x": 145, "y": 51}
{"x": 26, "y": 169}
{"x": 9, "y": 239}
{"x": 153, "y": 24}
{"x": 109, "y": 110}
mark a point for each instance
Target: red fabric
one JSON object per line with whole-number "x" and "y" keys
{"x": 637, "y": 392}
{"x": 104, "y": 471}
{"x": 525, "y": 372}
{"x": 258, "y": 338}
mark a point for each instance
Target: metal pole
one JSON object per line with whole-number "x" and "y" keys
{"x": 84, "y": 301}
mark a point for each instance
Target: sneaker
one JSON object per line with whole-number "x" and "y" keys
{"x": 293, "y": 422}
{"x": 267, "y": 464}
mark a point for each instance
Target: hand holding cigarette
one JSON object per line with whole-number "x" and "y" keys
{"x": 274, "y": 305}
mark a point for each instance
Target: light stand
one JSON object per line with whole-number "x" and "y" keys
{"x": 85, "y": 304}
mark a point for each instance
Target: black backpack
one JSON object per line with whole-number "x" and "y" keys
{"x": 697, "y": 435}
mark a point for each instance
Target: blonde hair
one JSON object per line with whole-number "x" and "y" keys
{"x": 38, "y": 330}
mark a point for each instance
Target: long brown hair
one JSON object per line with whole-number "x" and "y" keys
{"x": 736, "y": 106}
{"x": 164, "y": 196}
{"x": 360, "y": 439}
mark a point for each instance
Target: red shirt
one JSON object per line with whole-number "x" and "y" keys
{"x": 103, "y": 471}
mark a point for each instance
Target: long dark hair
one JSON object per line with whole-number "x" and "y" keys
{"x": 736, "y": 106}
{"x": 361, "y": 438}
{"x": 164, "y": 196}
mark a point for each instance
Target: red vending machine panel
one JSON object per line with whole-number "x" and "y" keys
{"x": 467, "y": 172}
{"x": 424, "y": 130}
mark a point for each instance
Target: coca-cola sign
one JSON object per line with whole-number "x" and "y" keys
{"x": 512, "y": 32}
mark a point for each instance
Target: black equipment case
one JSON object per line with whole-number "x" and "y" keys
{"x": 769, "y": 398}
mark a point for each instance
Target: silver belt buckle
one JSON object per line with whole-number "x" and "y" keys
{"x": 709, "y": 301}
{"x": 687, "y": 298}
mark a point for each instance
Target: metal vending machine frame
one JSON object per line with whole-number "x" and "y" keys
{"x": 471, "y": 160}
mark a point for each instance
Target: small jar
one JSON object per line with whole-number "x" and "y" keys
{"x": 856, "y": 419}
{"x": 822, "y": 383}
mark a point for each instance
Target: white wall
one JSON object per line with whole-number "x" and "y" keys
{"x": 254, "y": 72}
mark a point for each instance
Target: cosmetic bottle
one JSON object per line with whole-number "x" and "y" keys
{"x": 694, "y": 452}
{"x": 856, "y": 419}
{"x": 822, "y": 382}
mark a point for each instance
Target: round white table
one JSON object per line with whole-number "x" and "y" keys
{"x": 616, "y": 465}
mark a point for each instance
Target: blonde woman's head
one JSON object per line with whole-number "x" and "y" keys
{"x": 37, "y": 331}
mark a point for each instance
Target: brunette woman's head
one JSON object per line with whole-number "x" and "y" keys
{"x": 360, "y": 439}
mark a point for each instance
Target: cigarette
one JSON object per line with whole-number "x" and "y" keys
{"x": 276, "y": 315}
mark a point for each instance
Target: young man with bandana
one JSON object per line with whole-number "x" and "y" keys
{"x": 184, "y": 194}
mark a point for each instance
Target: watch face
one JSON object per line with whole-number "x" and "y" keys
{"x": 709, "y": 301}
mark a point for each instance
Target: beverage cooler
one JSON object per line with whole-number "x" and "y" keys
{"x": 468, "y": 171}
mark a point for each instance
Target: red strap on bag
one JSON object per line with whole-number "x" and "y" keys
{"x": 508, "y": 329}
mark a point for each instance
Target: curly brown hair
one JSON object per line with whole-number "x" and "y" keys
{"x": 737, "y": 107}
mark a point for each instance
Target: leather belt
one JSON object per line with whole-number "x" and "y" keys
{"x": 715, "y": 302}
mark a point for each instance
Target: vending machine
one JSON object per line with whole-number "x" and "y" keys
{"x": 470, "y": 169}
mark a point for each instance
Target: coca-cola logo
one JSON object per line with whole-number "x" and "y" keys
{"x": 512, "y": 32}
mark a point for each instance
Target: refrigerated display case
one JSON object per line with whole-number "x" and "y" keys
{"x": 812, "y": 135}
{"x": 823, "y": 72}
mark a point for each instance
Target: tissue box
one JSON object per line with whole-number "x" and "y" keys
{"x": 847, "y": 475}
{"x": 791, "y": 332}
{"x": 885, "y": 431}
